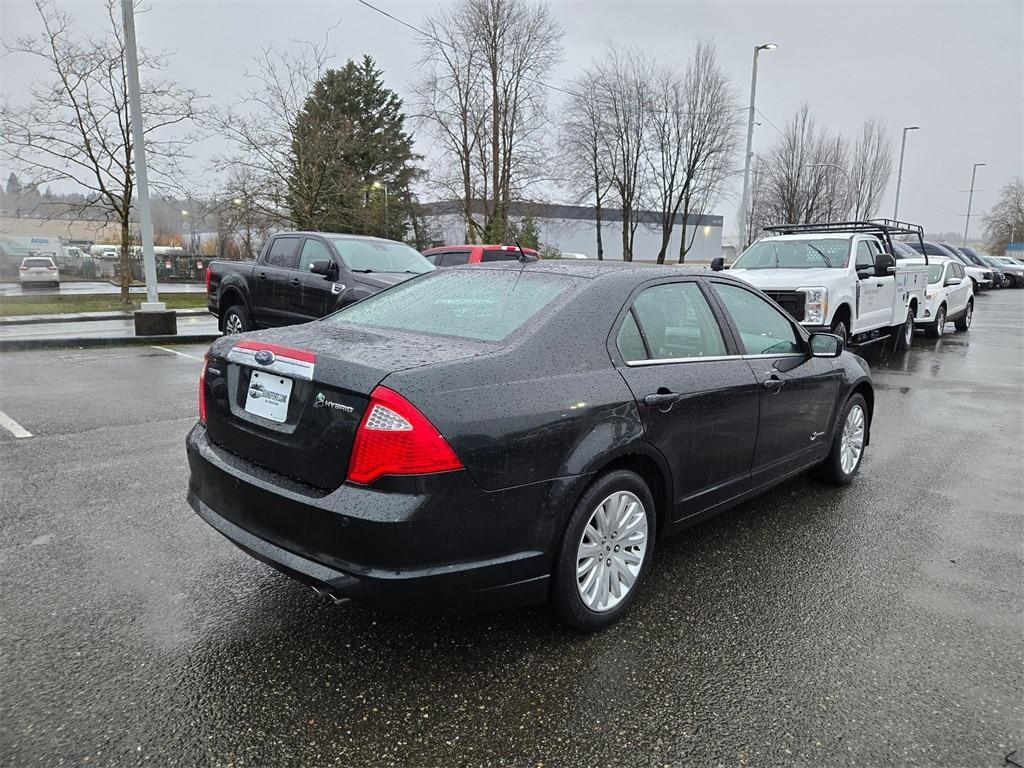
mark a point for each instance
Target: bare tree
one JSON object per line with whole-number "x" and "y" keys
{"x": 805, "y": 174}
{"x": 624, "y": 96}
{"x": 584, "y": 149}
{"x": 712, "y": 137}
{"x": 287, "y": 180}
{"x": 1004, "y": 223}
{"x": 483, "y": 97}
{"x": 75, "y": 129}
{"x": 870, "y": 168}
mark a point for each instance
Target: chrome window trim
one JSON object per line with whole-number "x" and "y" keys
{"x": 714, "y": 359}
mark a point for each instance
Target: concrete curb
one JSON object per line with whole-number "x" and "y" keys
{"x": 80, "y": 317}
{"x": 14, "y": 345}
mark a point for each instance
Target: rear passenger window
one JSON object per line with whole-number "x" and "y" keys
{"x": 677, "y": 322}
{"x": 283, "y": 253}
{"x": 495, "y": 254}
{"x": 763, "y": 329}
{"x": 453, "y": 258}
{"x": 629, "y": 341}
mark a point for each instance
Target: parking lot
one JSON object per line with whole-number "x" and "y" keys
{"x": 882, "y": 624}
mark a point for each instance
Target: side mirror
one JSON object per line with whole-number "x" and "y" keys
{"x": 717, "y": 264}
{"x": 323, "y": 267}
{"x": 885, "y": 264}
{"x": 954, "y": 281}
{"x": 826, "y": 345}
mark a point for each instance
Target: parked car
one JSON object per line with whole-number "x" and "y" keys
{"x": 839, "y": 277}
{"x": 950, "y": 297}
{"x": 970, "y": 256}
{"x": 302, "y": 276}
{"x": 1013, "y": 268}
{"x": 455, "y": 255}
{"x": 410, "y": 451}
{"x": 999, "y": 269}
{"x": 981, "y": 277}
{"x": 570, "y": 255}
{"x": 38, "y": 270}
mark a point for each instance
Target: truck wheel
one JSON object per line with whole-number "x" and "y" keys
{"x": 236, "y": 320}
{"x": 937, "y": 328}
{"x": 903, "y": 334}
{"x": 840, "y": 329}
{"x": 964, "y": 323}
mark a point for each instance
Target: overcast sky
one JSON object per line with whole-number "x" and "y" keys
{"x": 956, "y": 69}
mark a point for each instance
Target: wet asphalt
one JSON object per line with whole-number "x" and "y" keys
{"x": 878, "y": 625}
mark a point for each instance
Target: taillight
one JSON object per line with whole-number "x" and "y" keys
{"x": 394, "y": 438}
{"x": 208, "y": 276}
{"x": 53, "y": 269}
{"x": 202, "y": 390}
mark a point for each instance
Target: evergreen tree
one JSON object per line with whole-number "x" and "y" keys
{"x": 362, "y": 177}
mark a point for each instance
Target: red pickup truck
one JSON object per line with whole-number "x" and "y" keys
{"x": 453, "y": 255}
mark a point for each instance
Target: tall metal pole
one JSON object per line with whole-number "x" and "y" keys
{"x": 138, "y": 140}
{"x": 970, "y": 199}
{"x": 750, "y": 141}
{"x": 899, "y": 176}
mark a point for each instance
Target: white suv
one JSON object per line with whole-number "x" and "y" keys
{"x": 949, "y": 298}
{"x": 37, "y": 270}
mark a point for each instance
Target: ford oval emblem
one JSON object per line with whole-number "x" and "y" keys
{"x": 264, "y": 357}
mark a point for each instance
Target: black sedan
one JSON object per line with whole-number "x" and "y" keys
{"x": 512, "y": 434}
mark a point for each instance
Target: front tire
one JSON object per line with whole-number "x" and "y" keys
{"x": 842, "y": 330}
{"x": 236, "y": 320}
{"x": 843, "y": 461}
{"x": 605, "y": 553}
{"x": 964, "y": 323}
{"x": 936, "y": 329}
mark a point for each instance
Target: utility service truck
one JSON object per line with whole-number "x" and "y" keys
{"x": 842, "y": 277}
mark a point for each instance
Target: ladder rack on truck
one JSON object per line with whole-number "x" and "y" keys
{"x": 883, "y": 229}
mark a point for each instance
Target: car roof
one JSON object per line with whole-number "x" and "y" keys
{"x": 347, "y": 235}
{"x": 593, "y": 269}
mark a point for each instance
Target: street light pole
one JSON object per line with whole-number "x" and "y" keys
{"x": 152, "y": 303}
{"x": 970, "y": 199}
{"x": 899, "y": 176}
{"x": 750, "y": 141}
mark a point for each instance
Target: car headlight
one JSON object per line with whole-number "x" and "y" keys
{"x": 815, "y": 305}
{"x": 930, "y": 295}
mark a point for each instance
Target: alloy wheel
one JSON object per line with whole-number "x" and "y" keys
{"x": 940, "y": 321}
{"x": 970, "y": 314}
{"x": 908, "y": 332}
{"x": 852, "y": 440}
{"x": 611, "y": 551}
{"x": 232, "y": 324}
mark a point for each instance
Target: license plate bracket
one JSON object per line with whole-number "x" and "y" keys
{"x": 268, "y": 396}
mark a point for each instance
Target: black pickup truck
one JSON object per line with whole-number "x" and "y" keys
{"x": 302, "y": 276}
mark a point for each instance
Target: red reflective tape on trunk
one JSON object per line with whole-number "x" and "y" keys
{"x": 278, "y": 350}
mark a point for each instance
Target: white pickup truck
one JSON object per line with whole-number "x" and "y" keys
{"x": 840, "y": 277}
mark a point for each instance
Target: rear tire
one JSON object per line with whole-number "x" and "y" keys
{"x": 964, "y": 323}
{"x": 904, "y": 334}
{"x": 936, "y": 329}
{"x": 236, "y": 320}
{"x": 843, "y": 461}
{"x": 592, "y": 564}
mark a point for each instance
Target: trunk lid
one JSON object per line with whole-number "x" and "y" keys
{"x": 328, "y": 371}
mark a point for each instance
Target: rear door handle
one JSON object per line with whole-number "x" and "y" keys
{"x": 773, "y": 383}
{"x": 295, "y": 281}
{"x": 660, "y": 399}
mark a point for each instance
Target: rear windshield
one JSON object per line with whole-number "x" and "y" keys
{"x": 484, "y": 305}
{"x": 493, "y": 254}
{"x": 380, "y": 256}
{"x": 795, "y": 254}
{"x": 37, "y": 262}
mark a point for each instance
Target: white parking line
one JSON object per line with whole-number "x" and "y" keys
{"x": 12, "y": 426}
{"x": 176, "y": 352}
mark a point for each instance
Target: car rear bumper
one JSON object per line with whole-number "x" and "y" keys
{"x": 39, "y": 278}
{"x": 435, "y": 544}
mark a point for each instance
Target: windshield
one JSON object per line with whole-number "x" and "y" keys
{"x": 795, "y": 254}
{"x": 934, "y": 273}
{"x": 485, "y": 305}
{"x": 362, "y": 255}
